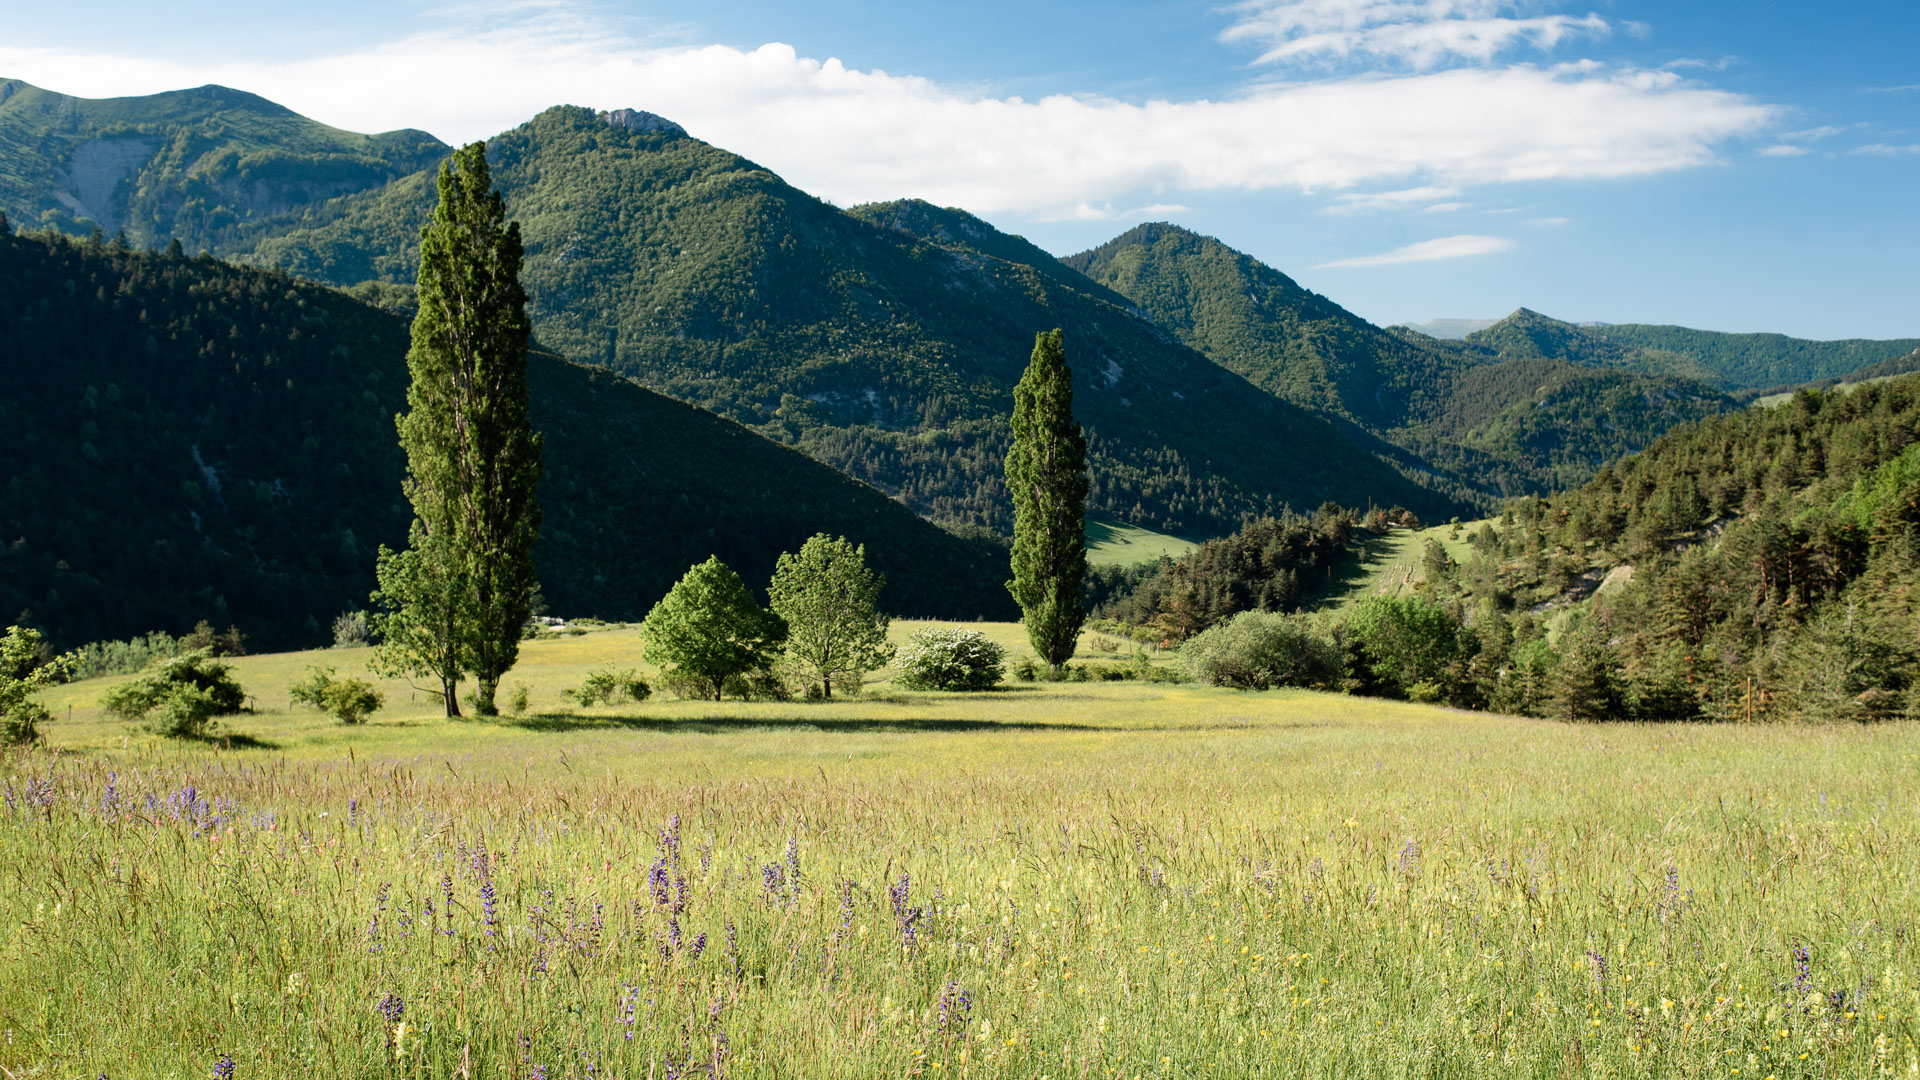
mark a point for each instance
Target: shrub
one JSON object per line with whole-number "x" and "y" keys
{"x": 349, "y": 700}
{"x": 950, "y": 658}
{"x": 1259, "y": 650}
{"x": 1406, "y": 639}
{"x": 606, "y": 686}
{"x": 518, "y": 701}
{"x": 23, "y": 671}
{"x": 188, "y": 691}
{"x": 1025, "y": 670}
{"x": 122, "y": 657}
{"x": 350, "y": 629}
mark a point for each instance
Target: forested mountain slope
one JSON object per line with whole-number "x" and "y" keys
{"x": 197, "y": 165}
{"x": 189, "y": 440}
{"x": 1764, "y": 563}
{"x": 1730, "y": 362}
{"x": 1481, "y": 422}
{"x": 885, "y": 353}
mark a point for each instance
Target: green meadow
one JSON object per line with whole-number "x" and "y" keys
{"x": 1093, "y": 880}
{"x": 1114, "y": 543}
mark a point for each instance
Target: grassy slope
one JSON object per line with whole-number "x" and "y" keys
{"x": 1115, "y": 543}
{"x": 1131, "y": 879}
{"x": 546, "y": 667}
{"x": 1389, "y": 565}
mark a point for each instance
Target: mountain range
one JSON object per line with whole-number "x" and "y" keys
{"x": 881, "y": 341}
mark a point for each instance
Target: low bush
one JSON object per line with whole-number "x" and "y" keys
{"x": 349, "y": 700}
{"x": 607, "y": 686}
{"x": 1259, "y": 650}
{"x": 949, "y": 658}
{"x": 180, "y": 696}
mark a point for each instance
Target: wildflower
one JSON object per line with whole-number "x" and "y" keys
{"x": 956, "y": 1007}
{"x": 223, "y": 1066}
{"x": 400, "y": 1033}
{"x": 391, "y": 1007}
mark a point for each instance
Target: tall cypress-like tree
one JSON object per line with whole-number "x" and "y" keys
{"x": 1047, "y": 474}
{"x": 473, "y": 461}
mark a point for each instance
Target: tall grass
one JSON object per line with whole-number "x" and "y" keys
{"x": 1088, "y": 881}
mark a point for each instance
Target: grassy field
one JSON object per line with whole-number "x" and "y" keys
{"x": 1062, "y": 880}
{"x": 1389, "y": 565}
{"x": 1111, "y": 543}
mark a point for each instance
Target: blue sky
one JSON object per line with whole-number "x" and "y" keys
{"x": 1734, "y": 166}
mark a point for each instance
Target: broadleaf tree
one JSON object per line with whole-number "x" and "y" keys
{"x": 708, "y": 629}
{"x": 830, "y": 601}
{"x": 459, "y": 603}
{"x": 24, "y": 672}
{"x": 1047, "y": 476}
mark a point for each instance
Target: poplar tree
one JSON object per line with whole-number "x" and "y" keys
{"x": 1047, "y": 474}
{"x": 465, "y": 591}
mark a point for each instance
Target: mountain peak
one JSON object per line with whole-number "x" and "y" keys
{"x": 642, "y": 121}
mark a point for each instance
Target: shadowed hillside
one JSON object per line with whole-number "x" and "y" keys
{"x": 193, "y": 440}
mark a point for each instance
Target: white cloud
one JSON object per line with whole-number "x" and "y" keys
{"x": 1423, "y": 33}
{"x": 1549, "y": 222}
{"x": 1445, "y": 247}
{"x": 1782, "y": 150}
{"x": 853, "y": 136}
{"x": 1884, "y": 150}
{"x": 1355, "y": 202}
{"x": 1812, "y": 134}
{"x": 1445, "y": 208}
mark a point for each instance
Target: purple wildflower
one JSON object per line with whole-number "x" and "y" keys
{"x": 1802, "y": 969}
{"x": 392, "y": 1007}
{"x": 223, "y": 1066}
{"x": 956, "y": 1007}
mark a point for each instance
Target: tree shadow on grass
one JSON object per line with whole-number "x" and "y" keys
{"x": 717, "y": 725}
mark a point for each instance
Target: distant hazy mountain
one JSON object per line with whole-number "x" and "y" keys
{"x": 1478, "y": 422}
{"x": 187, "y": 439}
{"x": 1450, "y": 329}
{"x": 198, "y": 165}
{"x": 1728, "y": 361}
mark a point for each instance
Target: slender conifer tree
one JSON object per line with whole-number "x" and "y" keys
{"x": 473, "y": 460}
{"x": 1047, "y": 474}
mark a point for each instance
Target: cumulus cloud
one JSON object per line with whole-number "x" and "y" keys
{"x": 853, "y": 135}
{"x": 1422, "y": 33}
{"x": 1445, "y": 247}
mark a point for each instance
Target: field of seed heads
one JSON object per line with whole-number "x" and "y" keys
{"x": 1095, "y": 881}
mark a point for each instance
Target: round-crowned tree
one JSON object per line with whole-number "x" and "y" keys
{"x": 708, "y": 629}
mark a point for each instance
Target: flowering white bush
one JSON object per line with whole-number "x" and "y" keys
{"x": 949, "y": 658}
